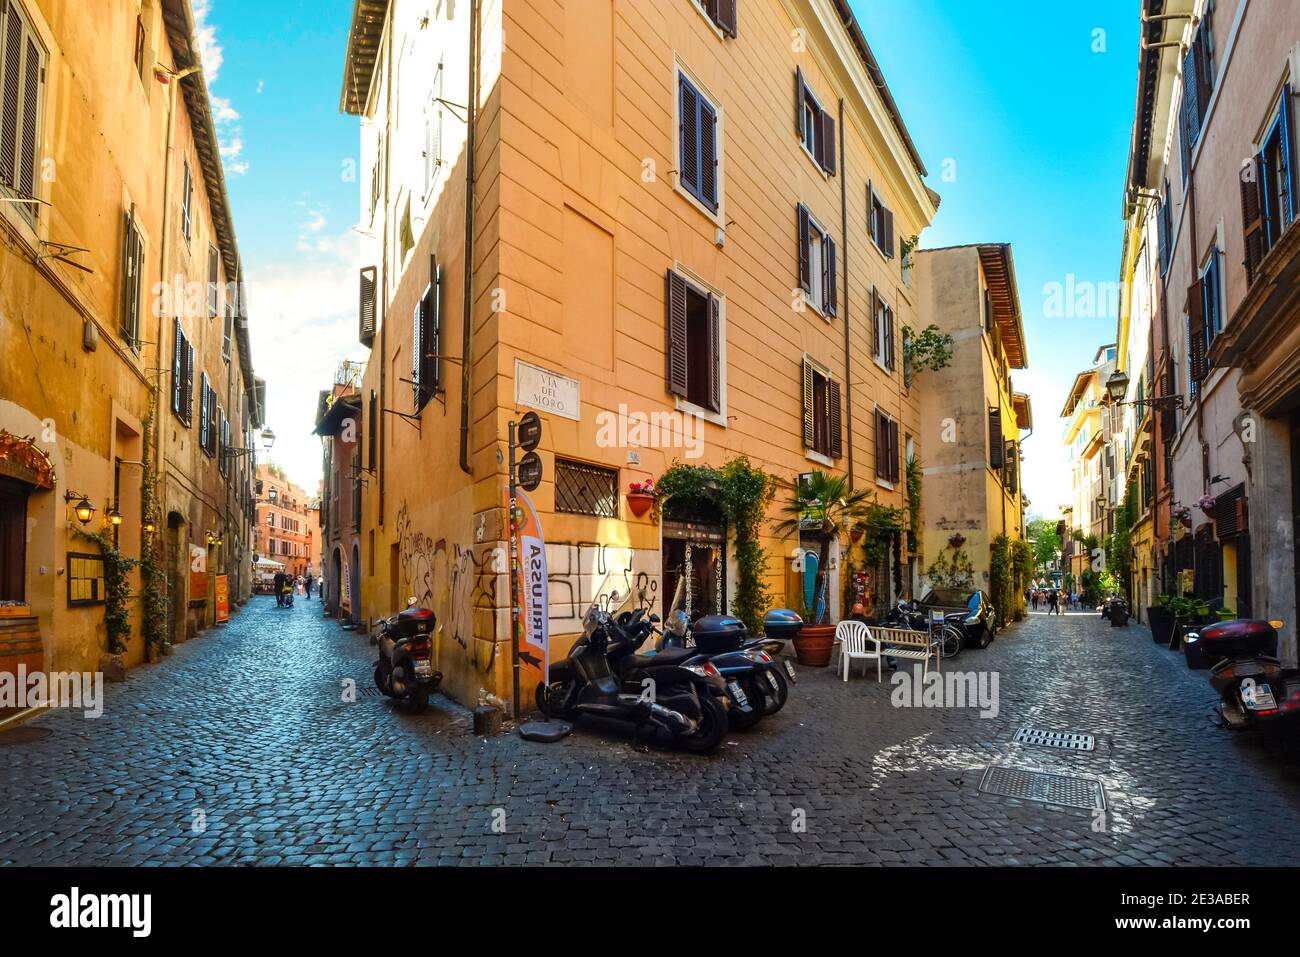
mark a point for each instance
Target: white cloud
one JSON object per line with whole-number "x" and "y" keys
{"x": 303, "y": 323}
{"x": 224, "y": 116}
{"x": 209, "y": 46}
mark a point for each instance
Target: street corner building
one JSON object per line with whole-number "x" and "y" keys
{"x": 127, "y": 384}
{"x": 973, "y": 419}
{"x": 681, "y": 239}
{"x": 1201, "y": 392}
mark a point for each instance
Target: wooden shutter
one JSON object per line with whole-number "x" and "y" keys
{"x": 832, "y": 293}
{"x": 715, "y": 355}
{"x": 366, "y": 308}
{"x": 888, "y": 230}
{"x": 132, "y": 260}
{"x": 708, "y": 132}
{"x": 875, "y": 322}
{"x": 1162, "y": 230}
{"x": 1290, "y": 181}
{"x": 675, "y": 330}
{"x": 1253, "y": 214}
{"x": 1013, "y": 461}
{"x": 1190, "y": 110}
{"x": 20, "y": 106}
{"x": 417, "y": 350}
{"x": 726, "y": 16}
{"x": 835, "y": 416}
{"x": 1196, "y": 330}
{"x": 11, "y": 86}
{"x": 203, "y": 411}
{"x": 434, "y": 351}
{"x": 826, "y": 142}
{"x": 996, "y": 450}
{"x": 188, "y": 399}
{"x": 690, "y": 119}
{"x": 882, "y": 443}
{"x": 805, "y": 268}
{"x": 799, "y": 88}
{"x": 892, "y": 449}
{"x": 178, "y": 369}
{"x": 889, "y": 338}
{"x": 214, "y": 267}
{"x": 808, "y": 429}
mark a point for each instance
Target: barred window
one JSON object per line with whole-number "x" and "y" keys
{"x": 583, "y": 489}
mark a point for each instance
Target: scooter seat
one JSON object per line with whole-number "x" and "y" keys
{"x": 669, "y": 656}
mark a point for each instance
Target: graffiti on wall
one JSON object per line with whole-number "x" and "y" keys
{"x": 578, "y": 570}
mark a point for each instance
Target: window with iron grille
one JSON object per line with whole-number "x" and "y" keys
{"x": 583, "y": 489}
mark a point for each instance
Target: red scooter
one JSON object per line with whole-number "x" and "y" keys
{"x": 1254, "y": 688}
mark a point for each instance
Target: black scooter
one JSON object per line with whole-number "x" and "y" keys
{"x": 1255, "y": 690}
{"x": 676, "y": 689}
{"x": 405, "y": 667}
{"x": 1115, "y": 608}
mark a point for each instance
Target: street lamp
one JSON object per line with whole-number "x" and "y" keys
{"x": 268, "y": 440}
{"x": 114, "y": 516}
{"x": 1117, "y": 388}
{"x": 83, "y": 509}
{"x": 1117, "y": 385}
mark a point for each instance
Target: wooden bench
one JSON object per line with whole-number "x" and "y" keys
{"x": 912, "y": 645}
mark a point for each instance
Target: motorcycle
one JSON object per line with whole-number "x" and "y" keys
{"x": 405, "y": 666}
{"x": 1254, "y": 688}
{"x": 677, "y": 689}
{"x": 952, "y": 636}
{"x": 756, "y": 682}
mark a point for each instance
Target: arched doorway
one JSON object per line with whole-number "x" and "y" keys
{"x": 695, "y": 545}
{"x": 335, "y": 581}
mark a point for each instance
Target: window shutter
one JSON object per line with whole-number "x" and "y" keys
{"x": 888, "y": 231}
{"x": 417, "y": 351}
{"x": 1196, "y": 330}
{"x": 826, "y": 142}
{"x": 805, "y": 269}
{"x": 214, "y": 266}
{"x": 726, "y": 16}
{"x": 675, "y": 330}
{"x": 834, "y": 414}
{"x": 808, "y": 430}
{"x": 178, "y": 369}
{"x": 799, "y": 87}
{"x": 1162, "y": 231}
{"x": 1288, "y": 171}
{"x": 995, "y": 438}
{"x": 1190, "y": 110}
{"x": 882, "y": 444}
{"x": 894, "y": 452}
{"x": 832, "y": 294}
{"x": 11, "y": 82}
{"x": 690, "y": 119}
{"x": 708, "y": 155}
{"x": 188, "y": 400}
{"x": 203, "y": 411}
{"x": 366, "y": 307}
{"x": 435, "y": 328}
{"x": 889, "y": 338}
{"x": 1252, "y": 214}
{"x": 228, "y": 331}
{"x": 130, "y": 279}
{"x": 31, "y": 112}
{"x": 715, "y": 355}
{"x": 875, "y": 321}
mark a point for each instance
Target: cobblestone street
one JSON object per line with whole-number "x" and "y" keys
{"x": 243, "y": 731}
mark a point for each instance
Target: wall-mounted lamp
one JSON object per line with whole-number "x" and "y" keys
{"x": 114, "y": 516}
{"x": 214, "y": 538}
{"x": 150, "y": 527}
{"x": 83, "y": 509}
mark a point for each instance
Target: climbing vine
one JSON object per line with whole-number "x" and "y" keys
{"x": 952, "y": 567}
{"x": 931, "y": 348}
{"x": 153, "y": 579}
{"x": 1022, "y": 565}
{"x": 117, "y": 590}
{"x": 742, "y": 492}
{"x": 913, "y": 503}
{"x": 1000, "y": 583}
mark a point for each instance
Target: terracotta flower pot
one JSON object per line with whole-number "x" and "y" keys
{"x": 812, "y": 646}
{"x": 639, "y": 503}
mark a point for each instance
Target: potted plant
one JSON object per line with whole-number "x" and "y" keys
{"x": 640, "y": 496}
{"x": 1161, "y": 620}
{"x": 822, "y": 508}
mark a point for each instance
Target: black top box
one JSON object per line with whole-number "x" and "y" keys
{"x": 1238, "y": 638}
{"x": 782, "y": 623}
{"x": 717, "y": 633}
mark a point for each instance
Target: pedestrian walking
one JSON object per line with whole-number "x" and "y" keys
{"x": 1052, "y": 599}
{"x": 309, "y": 584}
{"x": 279, "y": 588}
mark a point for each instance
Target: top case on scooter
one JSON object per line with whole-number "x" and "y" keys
{"x": 717, "y": 633}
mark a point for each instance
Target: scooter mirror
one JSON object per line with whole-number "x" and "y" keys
{"x": 654, "y": 619}
{"x": 678, "y": 623}
{"x": 410, "y": 602}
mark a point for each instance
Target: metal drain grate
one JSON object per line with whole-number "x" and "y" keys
{"x": 1069, "y": 740}
{"x": 1067, "y": 790}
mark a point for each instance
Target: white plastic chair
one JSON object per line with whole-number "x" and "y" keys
{"x": 856, "y": 643}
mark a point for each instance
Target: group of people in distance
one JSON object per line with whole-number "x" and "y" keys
{"x": 1055, "y": 600}
{"x": 287, "y": 585}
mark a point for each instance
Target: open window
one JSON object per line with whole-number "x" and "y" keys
{"x": 822, "y": 414}
{"x": 694, "y": 346}
{"x": 817, "y": 257}
{"x": 815, "y": 126}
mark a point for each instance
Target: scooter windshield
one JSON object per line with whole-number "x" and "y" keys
{"x": 614, "y": 595}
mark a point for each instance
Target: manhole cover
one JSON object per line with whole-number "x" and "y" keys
{"x": 1069, "y": 740}
{"x": 364, "y": 692}
{"x": 24, "y": 735}
{"x": 1067, "y": 790}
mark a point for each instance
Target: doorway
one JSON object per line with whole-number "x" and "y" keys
{"x": 695, "y": 545}
{"x": 13, "y": 539}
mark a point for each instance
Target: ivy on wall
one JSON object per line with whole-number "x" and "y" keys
{"x": 117, "y": 590}
{"x": 741, "y": 492}
{"x": 153, "y": 578}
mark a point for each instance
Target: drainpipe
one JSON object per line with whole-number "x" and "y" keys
{"x": 467, "y": 320}
{"x": 848, "y": 358}
{"x": 383, "y": 280}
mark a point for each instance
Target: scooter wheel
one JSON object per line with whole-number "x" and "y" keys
{"x": 379, "y": 680}
{"x": 712, "y": 729}
{"x": 758, "y": 704}
{"x": 776, "y": 699}
{"x": 545, "y": 704}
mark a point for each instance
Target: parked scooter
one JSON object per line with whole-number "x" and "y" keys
{"x": 1115, "y": 607}
{"x": 1254, "y": 689}
{"x": 676, "y": 689}
{"x": 405, "y": 666}
{"x": 756, "y": 681}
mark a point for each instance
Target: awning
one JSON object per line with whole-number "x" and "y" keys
{"x": 20, "y": 459}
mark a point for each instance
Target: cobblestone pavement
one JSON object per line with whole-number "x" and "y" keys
{"x": 244, "y": 732}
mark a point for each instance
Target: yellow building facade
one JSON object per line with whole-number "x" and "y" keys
{"x": 118, "y": 302}
{"x": 690, "y": 241}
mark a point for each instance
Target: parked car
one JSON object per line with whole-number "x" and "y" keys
{"x": 968, "y": 607}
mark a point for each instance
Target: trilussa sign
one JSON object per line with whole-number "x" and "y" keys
{"x": 533, "y": 600}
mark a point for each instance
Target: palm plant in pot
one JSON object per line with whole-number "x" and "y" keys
{"x": 822, "y": 508}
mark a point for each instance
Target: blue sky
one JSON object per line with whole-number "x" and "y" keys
{"x": 1021, "y": 110}
{"x": 1034, "y": 108}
